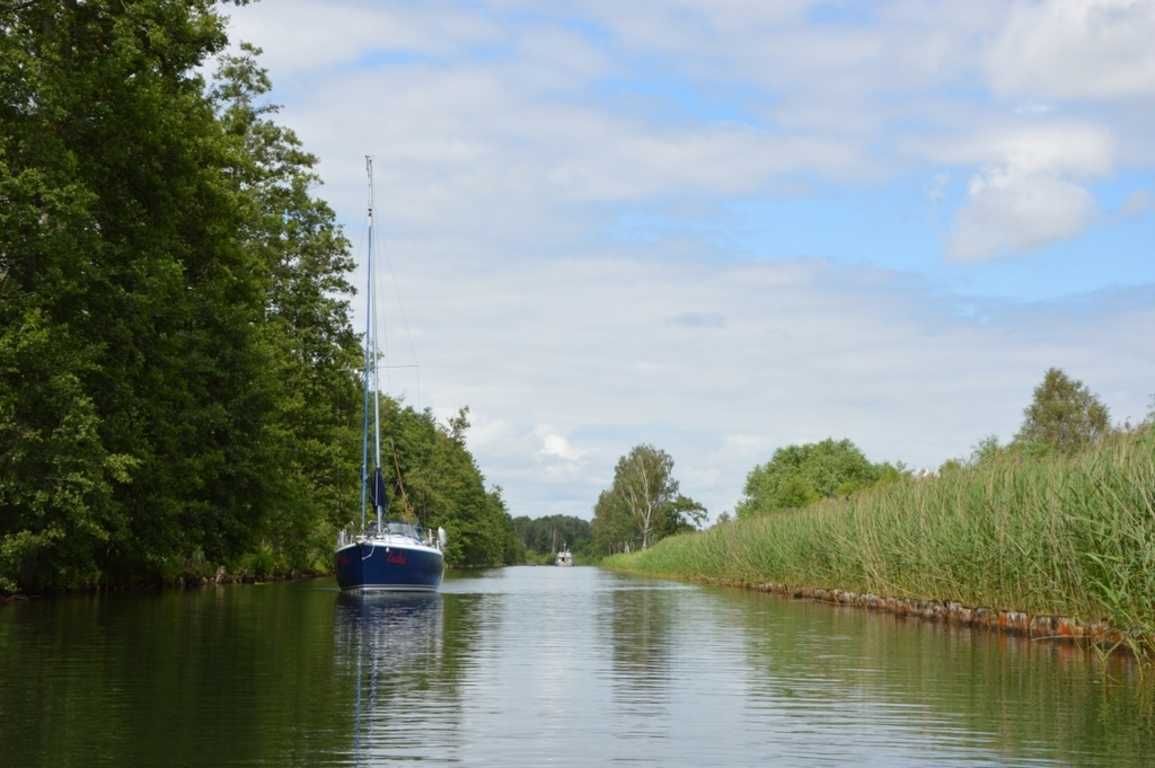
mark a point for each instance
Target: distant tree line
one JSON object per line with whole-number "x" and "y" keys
{"x": 178, "y": 373}
{"x": 545, "y": 536}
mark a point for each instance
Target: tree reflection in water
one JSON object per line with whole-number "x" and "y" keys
{"x": 640, "y": 626}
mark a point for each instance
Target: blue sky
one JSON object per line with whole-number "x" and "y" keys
{"x": 723, "y": 226}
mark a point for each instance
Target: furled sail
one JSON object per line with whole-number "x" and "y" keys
{"x": 378, "y": 494}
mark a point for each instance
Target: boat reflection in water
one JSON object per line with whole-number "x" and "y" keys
{"x": 391, "y": 645}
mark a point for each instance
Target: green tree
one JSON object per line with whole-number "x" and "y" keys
{"x": 799, "y": 475}
{"x": 549, "y": 533}
{"x": 312, "y": 355}
{"x": 1064, "y": 415}
{"x": 645, "y": 478}
{"x": 951, "y": 466}
{"x": 435, "y": 481}
{"x": 643, "y": 505}
{"x": 683, "y": 514}
{"x": 127, "y": 251}
{"x": 612, "y": 529}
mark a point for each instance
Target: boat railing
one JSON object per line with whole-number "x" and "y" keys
{"x": 427, "y": 536}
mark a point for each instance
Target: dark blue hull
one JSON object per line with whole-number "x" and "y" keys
{"x": 377, "y": 566}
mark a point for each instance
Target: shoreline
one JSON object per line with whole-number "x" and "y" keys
{"x": 191, "y": 582}
{"x": 180, "y": 584}
{"x": 1093, "y": 635}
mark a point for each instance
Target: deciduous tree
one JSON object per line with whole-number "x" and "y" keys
{"x": 799, "y": 475}
{"x": 643, "y": 504}
{"x": 1064, "y": 415}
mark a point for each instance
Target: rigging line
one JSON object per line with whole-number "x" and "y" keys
{"x": 383, "y": 353}
{"x": 401, "y": 481}
{"x": 367, "y": 342}
{"x": 406, "y": 326}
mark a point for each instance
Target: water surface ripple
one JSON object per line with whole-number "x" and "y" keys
{"x": 543, "y": 666}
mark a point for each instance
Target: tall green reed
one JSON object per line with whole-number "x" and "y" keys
{"x": 1063, "y": 535}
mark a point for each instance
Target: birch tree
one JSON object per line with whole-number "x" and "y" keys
{"x": 643, "y": 504}
{"x": 645, "y": 478}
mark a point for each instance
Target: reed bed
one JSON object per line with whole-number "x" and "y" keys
{"x": 1070, "y": 536}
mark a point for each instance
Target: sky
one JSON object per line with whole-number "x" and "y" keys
{"x": 725, "y": 226}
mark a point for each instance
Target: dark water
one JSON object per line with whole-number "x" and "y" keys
{"x": 543, "y": 666}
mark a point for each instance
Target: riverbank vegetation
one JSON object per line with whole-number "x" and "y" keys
{"x": 178, "y": 373}
{"x": 1059, "y": 522}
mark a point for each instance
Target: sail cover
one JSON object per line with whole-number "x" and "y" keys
{"x": 377, "y": 493}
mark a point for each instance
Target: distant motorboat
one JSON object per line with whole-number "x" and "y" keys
{"x": 388, "y": 555}
{"x": 564, "y": 557}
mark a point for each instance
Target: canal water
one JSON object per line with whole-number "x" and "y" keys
{"x": 543, "y": 666}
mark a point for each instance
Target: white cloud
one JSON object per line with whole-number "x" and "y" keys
{"x": 485, "y": 433}
{"x": 489, "y": 142}
{"x": 299, "y": 35}
{"x": 479, "y": 149}
{"x": 1076, "y": 49}
{"x": 1033, "y": 109}
{"x": 747, "y": 445}
{"x": 1008, "y": 213}
{"x": 553, "y": 58}
{"x": 1029, "y": 190}
{"x": 1063, "y": 147}
{"x": 557, "y": 446}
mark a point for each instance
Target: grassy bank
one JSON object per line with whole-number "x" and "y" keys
{"x": 1071, "y": 536}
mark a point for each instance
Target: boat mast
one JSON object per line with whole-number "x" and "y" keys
{"x": 365, "y": 381}
{"x": 377, "y": 482}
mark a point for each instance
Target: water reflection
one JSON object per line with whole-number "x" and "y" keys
{"x": 390, "y": 645}
{"x": 400, "y": 634}
{"x": 532, "y": 666}
{"x": 702, "y": 676}
{"x": 943, "y": 693}
{"x": 639, "y": 623}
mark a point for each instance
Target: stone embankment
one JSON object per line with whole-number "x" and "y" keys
{"x": 1039, "y": 626}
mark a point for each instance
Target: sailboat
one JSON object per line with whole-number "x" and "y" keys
{"x": 387, "y": 555}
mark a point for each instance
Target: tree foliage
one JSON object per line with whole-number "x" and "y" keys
{"x": 643, "y": 505}
{"x": 178, "y": 375}
{"x": 435, "y": 481}
{"x": 550, "y": 533}
{"x": 1063, "y": 415}
{"x": 799, "y": 475}
{"x": 125, "y": 256}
